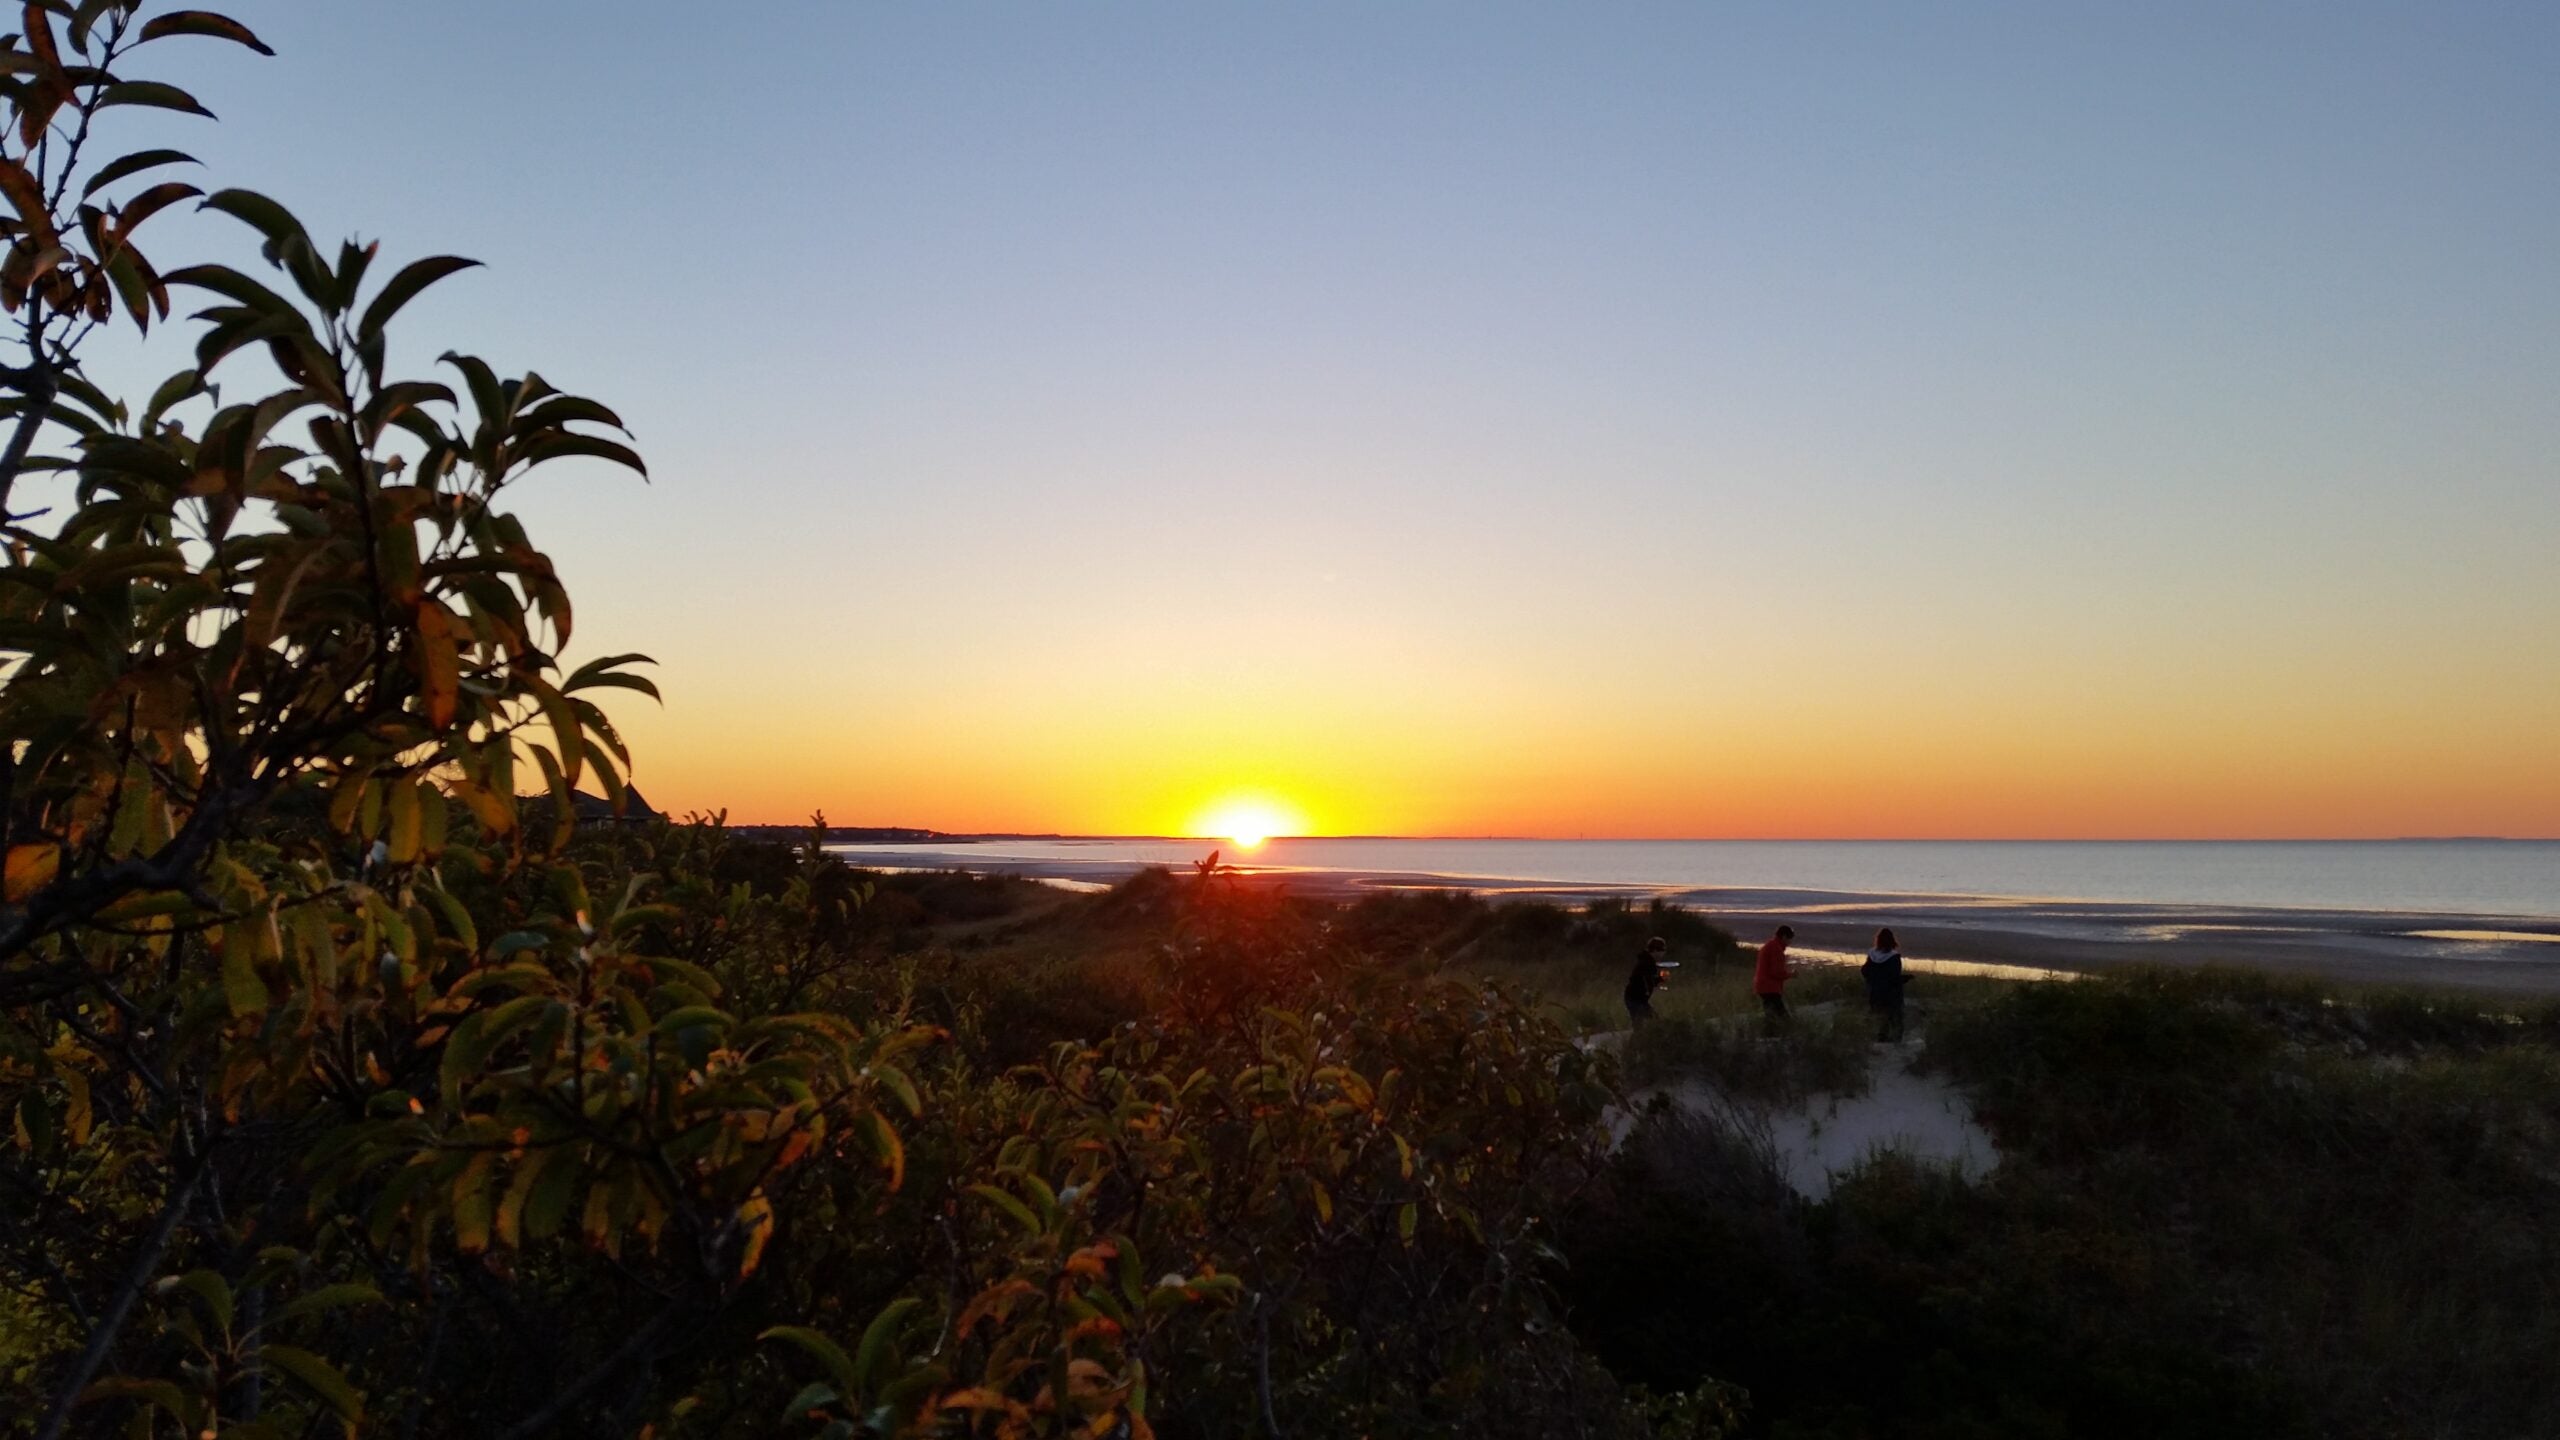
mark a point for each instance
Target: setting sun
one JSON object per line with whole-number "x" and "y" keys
{"x": 1249, "y": 821}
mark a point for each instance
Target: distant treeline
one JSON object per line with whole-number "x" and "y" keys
{"x": 846, "y": 834}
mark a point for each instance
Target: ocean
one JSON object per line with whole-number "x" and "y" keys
{"x": 2454, "y": 878}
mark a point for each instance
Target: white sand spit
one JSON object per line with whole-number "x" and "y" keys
{"x": 1922, "y": 1117}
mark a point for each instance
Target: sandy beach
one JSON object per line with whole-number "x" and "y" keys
{"x": 2500, "y": 954}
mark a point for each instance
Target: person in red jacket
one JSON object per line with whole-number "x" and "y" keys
{"x": 1769, "y": 978}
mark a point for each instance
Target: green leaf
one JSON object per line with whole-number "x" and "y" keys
{"x": 564, "y": 815}
{"x": 546, "y": 1206}
{"x": 134, "y": 164}
{"x": 1009, "y": 1205}
{"x": 893, "y": 1151}
{"x": 828, "y": 1353}
{"x": 85, "y": 19}
{"x": 876, "y": 1339}
{"x": 692, "y": 1015}
{"x": 511, "y": 1206}
{"x": 232, "y": 285}
{"x": 241, "y": 987}
{"x": 607, "y": 672}
{"x": 353, "y": 261}
{"x": 561, "y": 409}
{"x": 177, "y": 389}
{"x": 150, "y": 202}
{"x": 666, "y": 967}
{"x": 617, "y": 680}
{"x": 268, "y": 218}
{"x": 457, "y": 918}
{"x": 202, "y": 22}
{"x": 474, "y": 1208}
{"x": 476, "y": 1038}
{"x": 185, "y": 1409}
{"x": 152, "y": 93}
{"x": 319, "y": 1377}
{"x": 327, "y": 1297}
{"x": 463, "y": 1053}
{"x": 99, "y": 403}
{"x": 816, "y": 1395}
{"x": 899, "y": 1085}
{"x": 562, "y": 446}
{"x": 214, "y": 1291}
{"x": 486, "y": 398}
{"x": 144, "y": 905}
{"x": 565, "y": 729}
{"x": 36, "y": 1118}
{"x": 415, "y": 276}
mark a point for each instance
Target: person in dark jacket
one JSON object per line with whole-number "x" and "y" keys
{"x": 1885, "y": 978}
{"x": 1645, "y": 979}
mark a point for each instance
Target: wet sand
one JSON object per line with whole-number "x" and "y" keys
{"x": 2506, "y": 955}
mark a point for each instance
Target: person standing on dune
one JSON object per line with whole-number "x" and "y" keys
{"x": 1885, "y": 978}
{"x": 1769, "y": 979}
{"x": 1645, "y": 979}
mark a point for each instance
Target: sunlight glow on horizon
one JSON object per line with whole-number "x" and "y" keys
{"x": 1249, "y": 821}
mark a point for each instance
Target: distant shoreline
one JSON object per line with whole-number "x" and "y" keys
{"x": 2490, "y": 953}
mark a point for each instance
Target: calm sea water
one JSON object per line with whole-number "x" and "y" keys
{"x": 2452, "y": 877}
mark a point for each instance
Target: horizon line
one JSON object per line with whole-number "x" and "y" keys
{"x": 933, "y": 834}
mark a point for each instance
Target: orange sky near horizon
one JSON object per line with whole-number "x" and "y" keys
{"x": 2243, "y": 683}
{"x": 2070, "y": 756}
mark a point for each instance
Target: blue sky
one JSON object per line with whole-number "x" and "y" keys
{"x": 1060, "y": 411}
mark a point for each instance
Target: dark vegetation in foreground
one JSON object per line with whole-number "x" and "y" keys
{"x": 1301, "y": 1180}
{"x": 2226, "y": 1205}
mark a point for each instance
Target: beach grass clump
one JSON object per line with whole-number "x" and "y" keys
{"x": 2367, "y": 1181}
{"x": 2226, "y": 1204}
{"x": 1821, "y": 1053}
{"x": 1906, "y": 1303}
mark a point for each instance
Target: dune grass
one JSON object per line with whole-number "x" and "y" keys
{"x": 2227, "y": 1204}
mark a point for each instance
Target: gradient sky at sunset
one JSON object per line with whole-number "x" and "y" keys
{"x": 1682, "y": 420}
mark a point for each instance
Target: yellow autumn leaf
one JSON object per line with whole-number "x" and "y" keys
{"x": 31, "y": 868}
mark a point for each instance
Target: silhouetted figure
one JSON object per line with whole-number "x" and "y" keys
{"x": 1646, "y": 978}
{"x": 1885, "y": 978}
{"x": 1769, "y": 980}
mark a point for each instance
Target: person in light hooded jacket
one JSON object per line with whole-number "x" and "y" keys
{"x": 1885, "y": 978}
